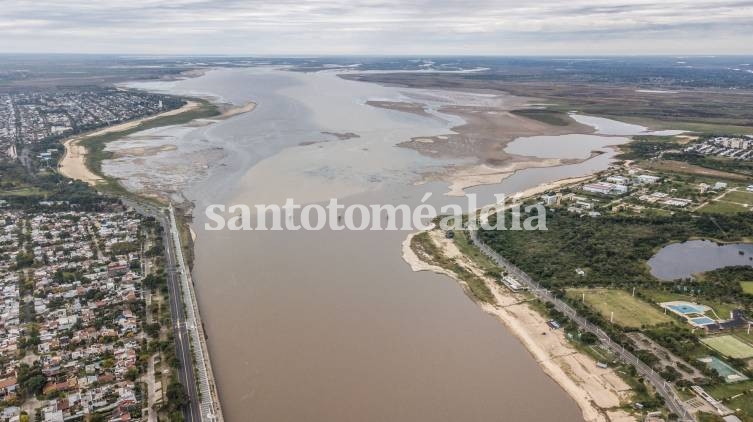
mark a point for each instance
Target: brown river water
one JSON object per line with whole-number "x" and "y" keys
{"x": 334, "y": 326}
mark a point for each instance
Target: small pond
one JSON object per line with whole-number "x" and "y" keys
{"x": 682, "y": 260}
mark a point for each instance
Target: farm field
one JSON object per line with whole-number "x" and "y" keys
{"x": 628, "y": 311}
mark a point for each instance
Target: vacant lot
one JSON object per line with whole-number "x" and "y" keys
{"x": 730, "y": 346}
{"x": 628, "y": 310}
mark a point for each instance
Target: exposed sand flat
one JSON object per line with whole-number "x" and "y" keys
{"x": 485, "y": 134}
{"x": 484, "y": 174}
{"x": 597, "y": 391}
{"x": 487, "y": 131}
{"x": 234, "y": 111}
{"x": 73, "y": 163}
{"x": 415, "y": 108}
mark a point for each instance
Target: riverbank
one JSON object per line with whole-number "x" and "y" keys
{"x": 82, "y": 161}
{"x": 84, "y": 154}
{"x": 74, "y": 162}
{"x": 599, "y": 392}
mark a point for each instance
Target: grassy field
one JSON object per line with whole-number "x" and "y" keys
{"x": 722, "y": 207}
{"x": 672, "y": 166}
{"x": 687, "y": 125}
{"x": 628, "y": 310}
{"x": 747, "y": 287}
{"x": 740, "y": 197}
{"x": 24, "y": 191}
{"x": 729, "y": 346}
{"x": 725, "y": 392}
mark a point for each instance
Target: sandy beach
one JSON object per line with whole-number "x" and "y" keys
{"x": 597, "y": 391}
{"x": 73, "y": 163}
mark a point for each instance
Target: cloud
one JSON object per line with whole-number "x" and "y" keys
{"x": 377, "y": 26}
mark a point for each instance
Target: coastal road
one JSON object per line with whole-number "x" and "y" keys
{"x": 186, "y": 373}
{"x": 671, "y": 399}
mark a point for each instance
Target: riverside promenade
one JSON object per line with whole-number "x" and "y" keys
{"x": 208, "y": 399}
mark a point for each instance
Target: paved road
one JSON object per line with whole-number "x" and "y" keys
{"x": 672, "y": 401}
{"x": 186, "y": 374}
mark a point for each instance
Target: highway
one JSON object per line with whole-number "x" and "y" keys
{"x": 672, "y": 401}
{"x": 186, "y": 373}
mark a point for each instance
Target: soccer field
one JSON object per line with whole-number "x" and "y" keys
{"x": 730, "y": 346}
{"x": 628, "y": 311}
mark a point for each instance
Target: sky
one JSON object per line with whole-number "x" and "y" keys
{"x": 377, "y": 27}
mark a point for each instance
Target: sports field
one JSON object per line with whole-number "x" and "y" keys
{"x": 628, "y": 311}
{"x": 730, "y": 346}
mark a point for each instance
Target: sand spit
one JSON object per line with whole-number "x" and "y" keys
{"x": 236, "y": 110}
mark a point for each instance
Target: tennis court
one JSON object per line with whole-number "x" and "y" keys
{"x": 701, "y": 321}
{"x": 686, "y": 308}
{"x": 725, "y": 371}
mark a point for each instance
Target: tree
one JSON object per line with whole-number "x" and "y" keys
{"x": 30, "y": 379}
{"x": 177, "y": 398}
{"x": 589, "y": 338}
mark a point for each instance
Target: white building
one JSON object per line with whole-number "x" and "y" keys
{"x": 646, "y": 179}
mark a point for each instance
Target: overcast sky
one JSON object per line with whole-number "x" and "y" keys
{"x": 501, "y": 27}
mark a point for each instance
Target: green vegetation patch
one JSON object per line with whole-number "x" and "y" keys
{"x": 628, "y": 311}
{"x": 729, "y": 346}
{"x": 427, "y": 250}
{"x": 747, "y": 287}
{"x": 741, "y": 391}
{"x": 611, "y": 249}
{"x": 550, "y": 117}
{"x": 722, "y": 207}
